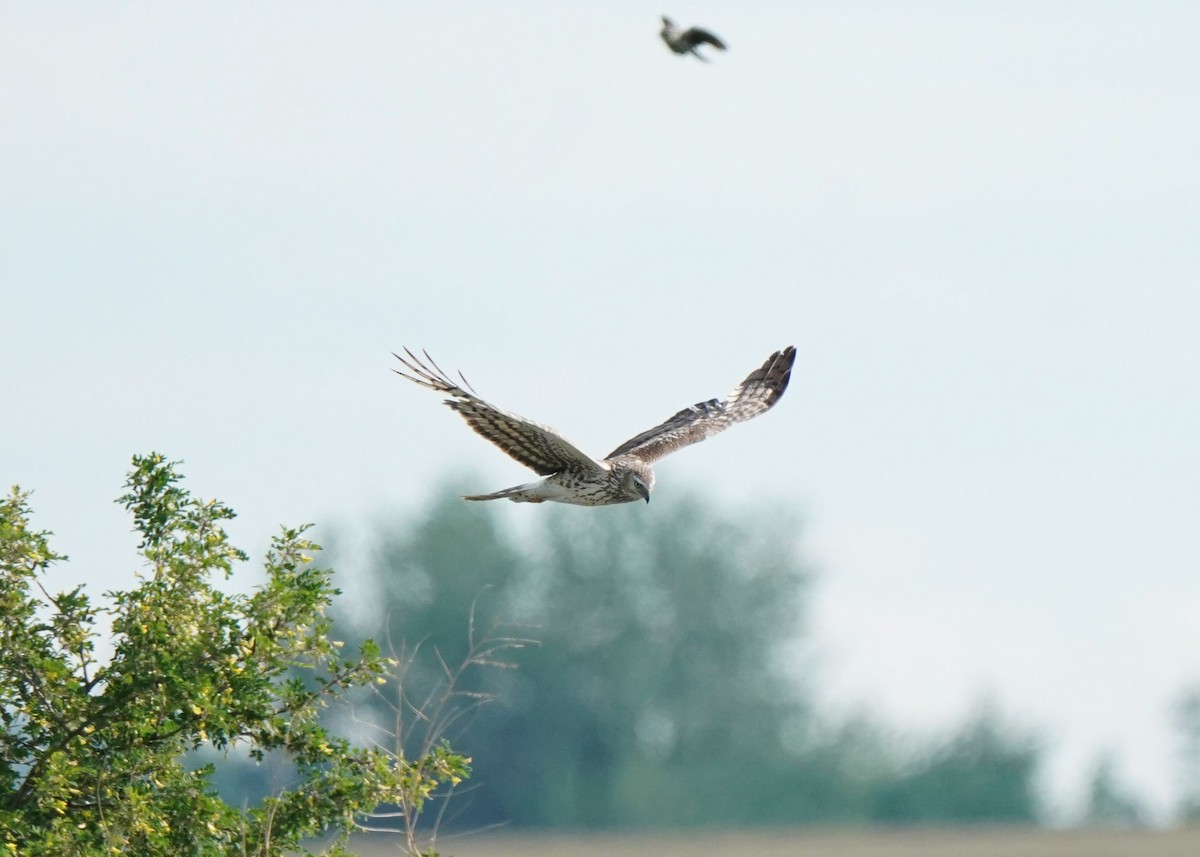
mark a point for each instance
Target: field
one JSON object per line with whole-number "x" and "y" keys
{"x": 968, "y": 842}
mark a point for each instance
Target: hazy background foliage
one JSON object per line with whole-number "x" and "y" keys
{"x": 642, "y": 675}
{"x": 663, "y": 691}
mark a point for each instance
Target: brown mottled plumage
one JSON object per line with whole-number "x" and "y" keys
{"x": 624, "y": 475}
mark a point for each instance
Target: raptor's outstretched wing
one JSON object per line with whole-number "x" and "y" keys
{"x": 538, "y": 447}
{"x": 755, "y": 395}
{"x": 699, "y": 36}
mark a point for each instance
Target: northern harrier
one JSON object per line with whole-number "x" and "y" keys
{"x": 686, "y": 41}
{"x": 624, "y": 475}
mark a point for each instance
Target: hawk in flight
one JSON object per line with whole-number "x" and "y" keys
{"x": 686, "y": 41}
{"x": 624, "y": 475}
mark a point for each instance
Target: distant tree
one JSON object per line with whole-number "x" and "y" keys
{"x": 439, "y": 587}
{"x": 1110, "y": 803}
{"x": 428, "y": 577}
{"x": 1187, "y": 725}
{"x": 662, "y": 692}
{"x": 92, "y": 752}
{"x": 657, "y": 695}
{"x": 984, "y": 773}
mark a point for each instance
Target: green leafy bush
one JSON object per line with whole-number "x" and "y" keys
{"x": 92, "y": 751}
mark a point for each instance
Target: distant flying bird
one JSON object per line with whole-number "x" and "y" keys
{"x": 686, "y": 41}
{"x": 624, "y": 475}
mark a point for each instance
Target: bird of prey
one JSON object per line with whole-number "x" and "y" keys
{"x": 624, "y": 475}
{"x": 686, "y": 41}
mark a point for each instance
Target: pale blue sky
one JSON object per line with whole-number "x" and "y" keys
{"x": 978, "y": 224}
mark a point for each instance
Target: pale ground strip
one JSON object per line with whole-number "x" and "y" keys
{"x": 966, "y": 842}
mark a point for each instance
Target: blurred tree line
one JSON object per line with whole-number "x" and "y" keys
{"x": 1187, "y": 725}
{"x": 659, "y": 693}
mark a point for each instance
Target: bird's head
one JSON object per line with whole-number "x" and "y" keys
{"x": 637, "y": 486}
{"x": 667, "y": 22}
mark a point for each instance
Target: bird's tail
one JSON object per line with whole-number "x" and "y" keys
{"x": 518, "y": 494}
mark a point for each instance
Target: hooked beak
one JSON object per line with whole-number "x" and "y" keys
{"x": 644, "y": 491}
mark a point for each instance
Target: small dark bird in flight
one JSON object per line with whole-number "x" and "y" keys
{"x": 624, "y": 475}
{"x": 686, "y": 41}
